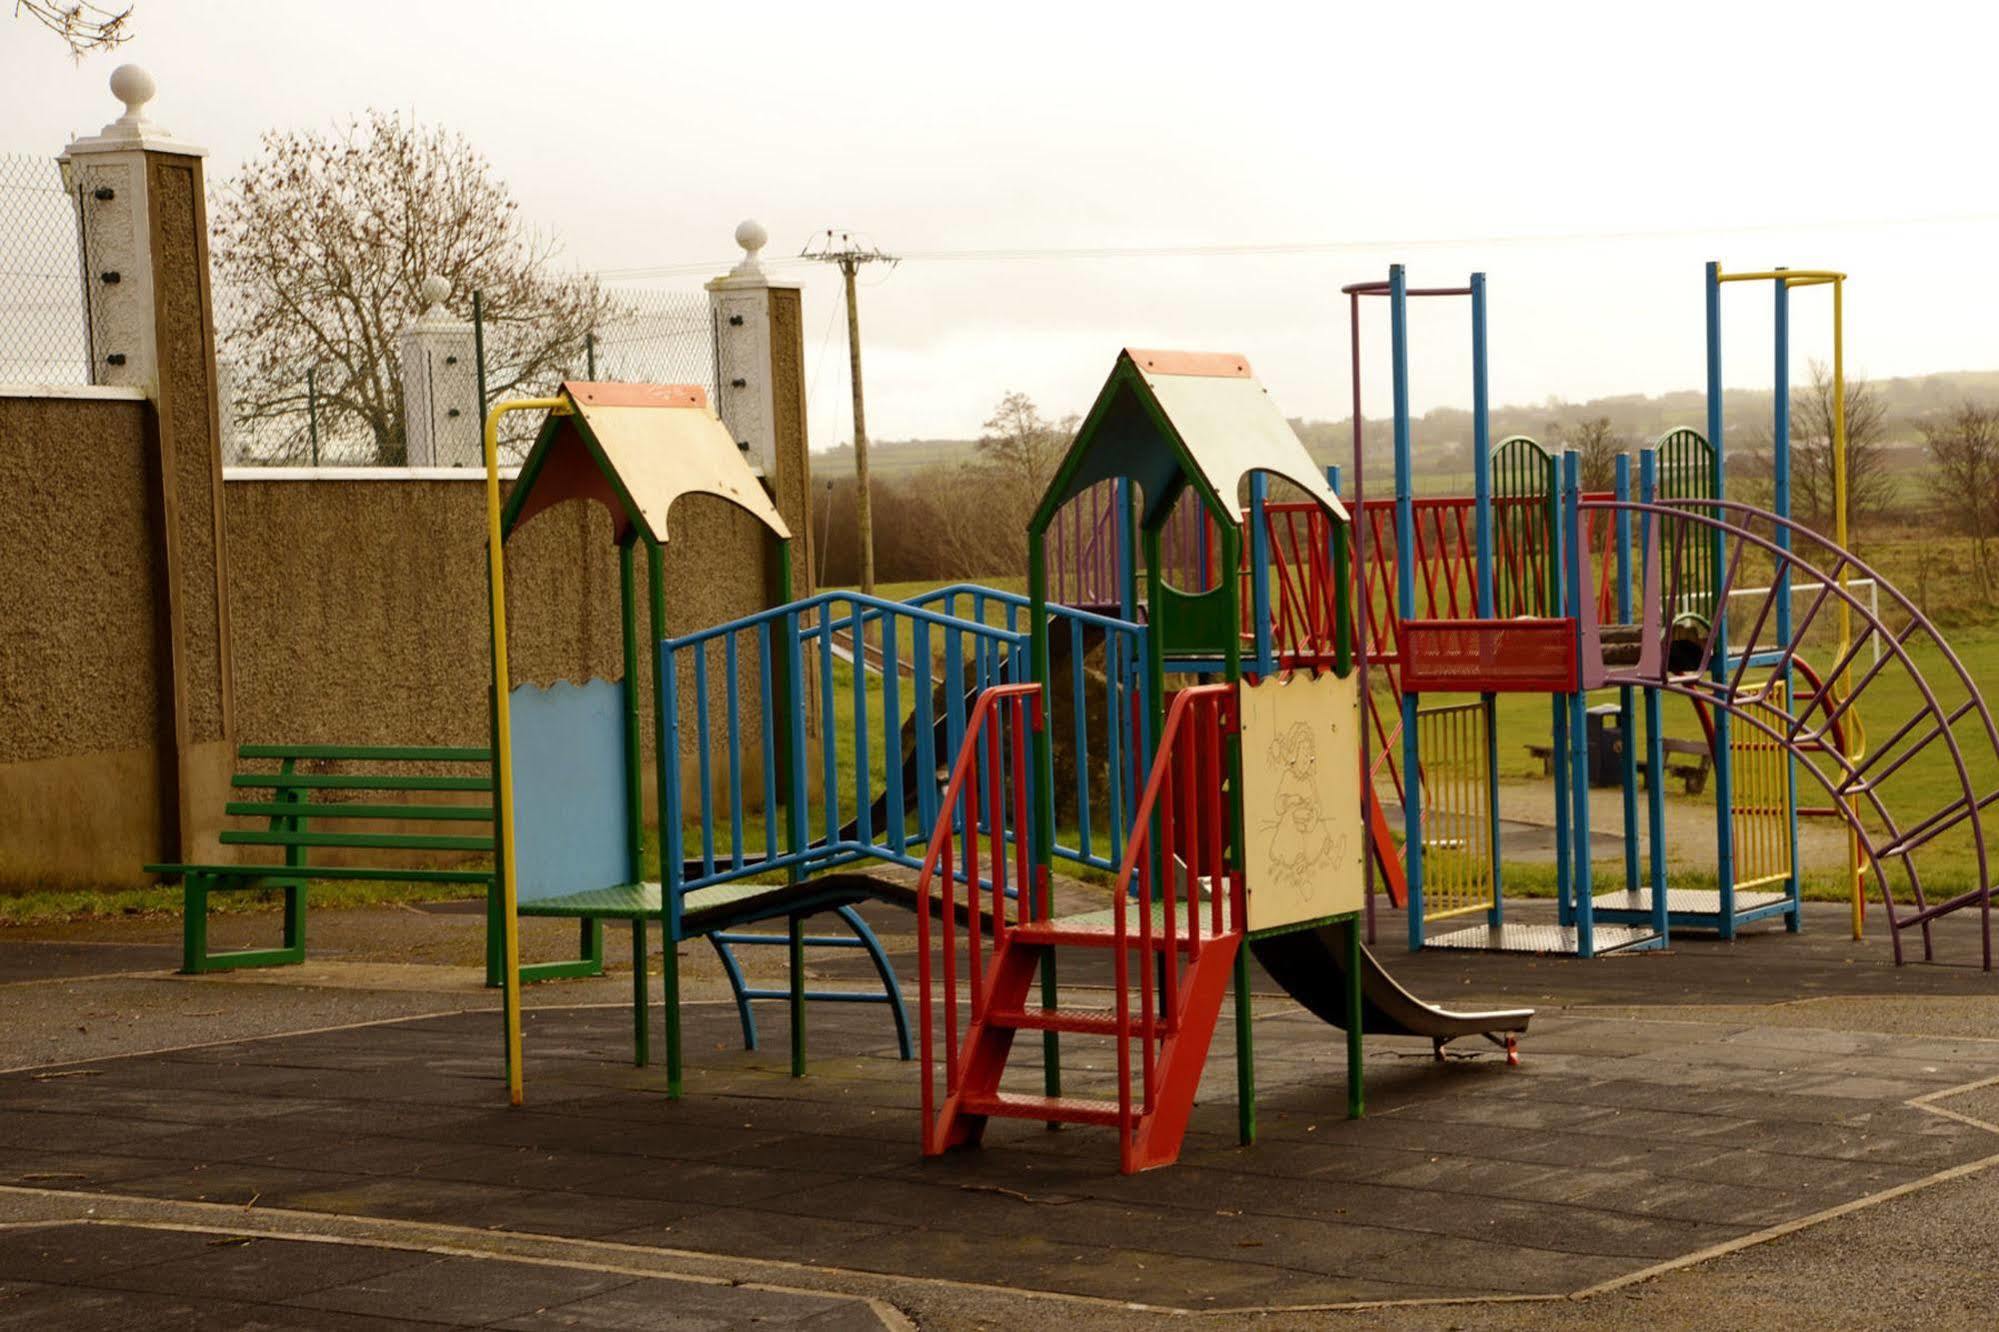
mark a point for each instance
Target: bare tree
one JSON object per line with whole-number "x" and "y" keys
{"x": 1870, "y": 490}
{"x": 83, "y": 27}
{"x": 990, "y": 500}
{"x": 1599, "y": 446}
{"x": 320, "y": 244}
{"x": 1964, "y": 452}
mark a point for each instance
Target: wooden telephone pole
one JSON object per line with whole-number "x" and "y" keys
{"x": 841, "y": 248}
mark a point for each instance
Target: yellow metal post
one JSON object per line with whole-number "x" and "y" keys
{"x": 503, "y": 779}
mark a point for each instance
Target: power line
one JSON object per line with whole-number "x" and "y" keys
{"x": 850, "y": 255}
{"x": 1254, "y": 249}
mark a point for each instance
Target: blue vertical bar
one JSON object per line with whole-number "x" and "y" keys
{"x": 1259, "y": 572}
{"x": 794, "y": 672}
{"x": 1483, "y": 593}
{"x": 1481, "y": 452}
{"x": 926, "y": 736}
{"x": 1655, "y": 739}
{"x": 732, "y": 692}
{"x": 701, "y": 757}
{"x": 1080, "y": 702}
{"x": 1578, "y": 702}
{"x": 1116, "y": 648}
{"x": 1724, "y": 768}
{"x": 671, "y": 855}
{"x": 769, "y": 738}
{"x": 1781, "y": 498}
{"x": 896, "y": 820}
{"x": 1405, "y": 594}
{"x": 864, "y": 799}
{"x": 1627, "y": 714}
{"x": 829, "y": 796}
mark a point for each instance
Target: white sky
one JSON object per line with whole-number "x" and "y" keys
{"x": 1757, "y": 135}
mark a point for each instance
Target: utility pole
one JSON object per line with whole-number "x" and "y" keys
{"x": 840, "y": 247}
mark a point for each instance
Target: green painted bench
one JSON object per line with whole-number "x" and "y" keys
{"x": 307, "y": 808}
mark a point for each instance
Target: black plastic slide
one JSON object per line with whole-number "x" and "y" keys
{"x": 1311, "y": 965}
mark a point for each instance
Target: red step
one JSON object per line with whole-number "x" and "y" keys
{"x": 1099, "y": 934}
{"x": 1047, "y": 1109}
{"x": 1094, "y": 1021}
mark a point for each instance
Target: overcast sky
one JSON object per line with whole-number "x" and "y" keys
{"x": 1587, "y": 157}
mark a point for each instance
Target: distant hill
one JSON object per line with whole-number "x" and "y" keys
{"x": 1442, "y": 438}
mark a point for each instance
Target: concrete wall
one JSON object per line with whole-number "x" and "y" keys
{"x": 86, "y": 749}
{"x": 359, "y": 606}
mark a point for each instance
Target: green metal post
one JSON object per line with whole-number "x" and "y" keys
{"x": 634, "y": 798}
{"x": 1043, "y": 842}
{"x": 1356, "y": 1084}
{"x": 590, "y": 355}
{"x": 665, "y": 764}
{"x": 312, "y": 411}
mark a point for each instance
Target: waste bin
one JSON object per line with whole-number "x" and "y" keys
{"x": 1606, "y": 746}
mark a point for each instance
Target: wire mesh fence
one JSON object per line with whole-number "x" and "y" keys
{"x": 391, "y": 401}
{"x": 315, "y": 382}
{"x": 44, "y": 329}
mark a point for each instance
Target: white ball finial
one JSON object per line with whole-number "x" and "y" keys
{"x": 134, "y": 87}
{"x": 750, "y": 234}
{"x": 434, "y": 290}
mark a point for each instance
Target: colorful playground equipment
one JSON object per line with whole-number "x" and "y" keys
{"x": 977, "y": 736}
{"x": 1533, "y": 585}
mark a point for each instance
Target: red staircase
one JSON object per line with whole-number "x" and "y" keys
{"x": 1176, "y": 921}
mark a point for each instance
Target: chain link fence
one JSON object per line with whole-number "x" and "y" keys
{"x": 417, "y": 401}
{"x": 325, "y": 387}
{"x": 44, "y": 329}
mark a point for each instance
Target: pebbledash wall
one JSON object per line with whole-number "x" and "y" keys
{"x": 155, "y": 611}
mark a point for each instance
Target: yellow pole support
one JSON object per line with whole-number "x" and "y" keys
{"x": 503, "y": 757}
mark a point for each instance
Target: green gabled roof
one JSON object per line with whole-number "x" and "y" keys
{"x": 1168, "y": 420}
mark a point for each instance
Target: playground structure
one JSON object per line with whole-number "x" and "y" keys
{"x": 977, "y": 736}
{"x": 1533, "y": 585}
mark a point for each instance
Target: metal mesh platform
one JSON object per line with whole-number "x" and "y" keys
{"x": 1687, "y": 901}
{"x": 1516, "y": 938}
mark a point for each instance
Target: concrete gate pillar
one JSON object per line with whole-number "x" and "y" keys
{"x": 441, "y": 424}
{"x": 144, "y": 224}
{"x": 760, "y": 387}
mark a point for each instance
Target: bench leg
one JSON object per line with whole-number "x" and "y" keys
{"x": 641, "y": 1008}
{"x": 194, "y": 925}
{"x": 196, "y": 960}
{"x": 890, "y": 988}
{"x": 734, "y": 971}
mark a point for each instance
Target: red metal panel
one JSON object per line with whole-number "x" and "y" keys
{"x": 1488, "y": 656}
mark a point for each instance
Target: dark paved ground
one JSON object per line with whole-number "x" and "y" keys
{"x": 1668, "y": 1106}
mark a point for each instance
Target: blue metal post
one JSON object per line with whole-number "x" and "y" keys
{"x": 1655, "y": 740}
{"x": 1724, "y": 771}
{"x": 1627, "y": 715}
{"x": 1575, "y": 590}
{"x": 1481, "y": 453}
{"x": 1259, "y": 577}
{"x": 1781, "y": 499}
{"x": 1405, "y": 594}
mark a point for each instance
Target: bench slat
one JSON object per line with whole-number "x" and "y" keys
{"x": 307, "y": 781}
{"x": 280, "y": 809}
{"x": 368, "y": 841}
{"x": 375, "y": 753}
{"x": 374, "y": 873}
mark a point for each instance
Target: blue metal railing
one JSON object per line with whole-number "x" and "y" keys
{"x": 888, "y": 684}
{"x": 1126, "y": 727}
